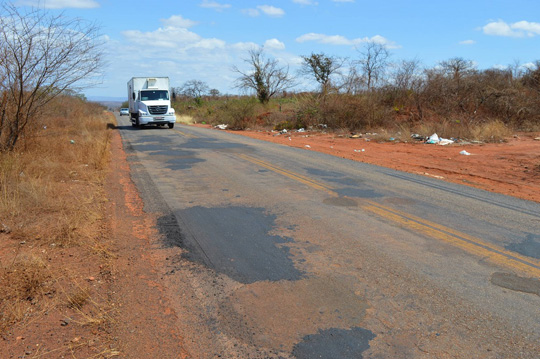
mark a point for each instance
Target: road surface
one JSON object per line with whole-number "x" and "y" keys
{"x": 289, "y": 253}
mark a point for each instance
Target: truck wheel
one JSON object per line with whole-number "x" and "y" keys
{"x": 171, "y": 125}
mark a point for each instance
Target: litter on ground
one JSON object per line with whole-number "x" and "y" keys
{"x": 435, "y": 139}
{"x": 464, "y": 153}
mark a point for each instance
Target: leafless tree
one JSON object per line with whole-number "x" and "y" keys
{"x": 194, "y": 89}
{"x": 373, "y": 62}
{"x": 41, "y": 56}
{"x": 265, "y": 76}
{"x": 405, "y": 74}
{"x": 457, "y": 67}
{"x": 352, "y": 82}
{"x": 321, "y": 67}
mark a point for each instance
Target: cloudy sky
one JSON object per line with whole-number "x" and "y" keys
{"x": 204, "y": 39}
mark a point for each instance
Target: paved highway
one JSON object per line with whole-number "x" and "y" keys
{"x": 288, "y": 253}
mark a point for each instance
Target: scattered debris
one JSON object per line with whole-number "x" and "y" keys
{"x": 537, "y": 138}
{"x": 307, "y": 146}
{"x": 358, "y": 135}
{"x": 435, "y": 139}
{"x": 72, "y": 142}
{"x": 362, "y": 150}
{"x": 222, "y": 126}
{"x": 417, "y": 137}
{"x": 465, "y": 153}
{"x": 301, "y": 130}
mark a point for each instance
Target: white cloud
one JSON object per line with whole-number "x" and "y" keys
{"x": 169, "y": 37}
{"x": 306, "y": 2}
{"x": 274, "y": 44}
{"x": 341, "y": 40}
{"x": 271, "y": 10}
{"x": 531, "y": 28}
{"x": 467, "y": 42}
{"x": 59, "y": 4}
{"x": 214, "y": 5}
{"x": 517, "y": 29}
{"x": 251, "y": 12}
{"x": 178, "y": 21}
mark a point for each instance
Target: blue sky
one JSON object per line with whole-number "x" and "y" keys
{"x": 204, "y": 39}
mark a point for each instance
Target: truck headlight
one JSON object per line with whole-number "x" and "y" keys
{"x": 142, "y": 113}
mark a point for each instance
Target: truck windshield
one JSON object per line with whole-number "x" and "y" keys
{"x": 154, "y": 95}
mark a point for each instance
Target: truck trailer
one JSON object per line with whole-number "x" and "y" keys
{"x": 150, "y": 102}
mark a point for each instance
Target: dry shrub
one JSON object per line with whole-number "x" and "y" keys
{"x": 355, "y": 112}
{"x": 51, "y": 193}
{"x": 51, "y": 187}
{"x": 23, "y": 283}
{"x": 239, "y": 113}
{"x": 492, "y": 131}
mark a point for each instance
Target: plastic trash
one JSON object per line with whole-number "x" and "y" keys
{"x": 72, "y": 142}
{"x": 307, "y": 146}
{"x": 301, "y": 130}
{"x": 465, "y": 153}
{"x": 444, "y": 141}
{"x": 362, "y": 150}
{"x": 433, "y": 139}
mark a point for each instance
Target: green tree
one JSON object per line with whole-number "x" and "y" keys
{"x": 321, "y": 67}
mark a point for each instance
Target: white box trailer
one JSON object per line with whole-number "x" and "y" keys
{"x": 150, "y": 101}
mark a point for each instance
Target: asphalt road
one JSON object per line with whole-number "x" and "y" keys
{"x": 289, "y": 253}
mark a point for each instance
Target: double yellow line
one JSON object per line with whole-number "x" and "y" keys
{"x": 476, "y": 246}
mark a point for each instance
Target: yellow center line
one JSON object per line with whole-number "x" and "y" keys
{"x": 470, "y": 244}
{"x": 295, "y": 176}
{"x": 473, "y": 245}
{"x": 185, "y": 134}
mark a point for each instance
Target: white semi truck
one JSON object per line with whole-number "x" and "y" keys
{"x": 149, "y": 101}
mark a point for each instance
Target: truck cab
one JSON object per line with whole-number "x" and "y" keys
{"x": 149, "y": 102}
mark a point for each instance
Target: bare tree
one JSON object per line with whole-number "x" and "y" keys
{"x": 351, "y": 81}
{"x": 41, "y": 56}
{"x": 405, "y": 74}
{"x": 321, "y": 67}
{"x": 457, "y": 67}
{"x": 373, "y": 62}
{"x": 195, "y": 89}
{"x": 264, "y": 76}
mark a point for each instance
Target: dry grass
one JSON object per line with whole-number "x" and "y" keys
{"x": 51, "y": 199}
{"x": 23, "y": 283}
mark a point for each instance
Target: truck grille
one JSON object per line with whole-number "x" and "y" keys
{"x": 157, "y": 110}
